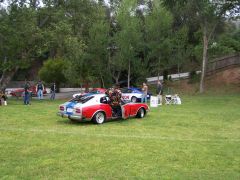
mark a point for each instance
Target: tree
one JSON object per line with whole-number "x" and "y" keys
{"x": 180, "y": 47}
{"x": 158, "y": 35}
{"x": 97, "y": 50}
{"x": 208, "y": 14}
{"x": 19, "y": 45}
{"x": 128, "y": 38}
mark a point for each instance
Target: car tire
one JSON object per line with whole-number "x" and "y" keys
{"x": 141, "y": 113}
{"x": 134, "y": 99}
{"x": 99, "y": 118}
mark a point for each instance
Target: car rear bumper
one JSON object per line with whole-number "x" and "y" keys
{"x": 73, "y": 117}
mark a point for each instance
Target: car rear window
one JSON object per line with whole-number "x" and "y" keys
{"x": 94, "y": 92}
{"x": 82, "y": 99}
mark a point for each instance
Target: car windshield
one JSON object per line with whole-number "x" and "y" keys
{"x": 81, "y": 99}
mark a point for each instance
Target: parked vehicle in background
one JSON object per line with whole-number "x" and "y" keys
{"x": 91, "y": 92}
{"x": 96, "y": 108}
{"x": 133, "y": 94}
{"x": 19, "y": 92}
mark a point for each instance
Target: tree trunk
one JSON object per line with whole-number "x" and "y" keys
{"x": 102, "y": 81}
{"x": 117, "y": 77}
{"x": 129, "y": 71}
{"x": 7, "y": 77}
{"x": 159, "y": 66}
{"x": 204, "y": 61}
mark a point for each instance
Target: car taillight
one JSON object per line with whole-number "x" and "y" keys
{"x": 61, "y": 108}
{"x": 78, "y": 110}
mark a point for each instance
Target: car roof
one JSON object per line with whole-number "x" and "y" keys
{"x": 97, "y": 95}
{"x": 99, "y": 89}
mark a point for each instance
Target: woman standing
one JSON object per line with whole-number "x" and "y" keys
{"x": 144, "y": 91}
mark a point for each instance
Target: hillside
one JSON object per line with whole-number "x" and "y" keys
{"x": 224, "y": 81}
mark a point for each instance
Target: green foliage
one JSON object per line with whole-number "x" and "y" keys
{"x": 97, "y": 52}
{"x": 127, "y": 39}
{"x": 19, "y": 36}
{"x": 158, "y": 29}
{"x": 104, "y": 43}
{"x": 53, "y": 71}
{"x": 225, "y": 44}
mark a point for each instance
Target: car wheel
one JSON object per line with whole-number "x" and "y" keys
{"x": 99, "y": 118}
{"x": 134, "y": 99}
{"x": 141, "y": 113}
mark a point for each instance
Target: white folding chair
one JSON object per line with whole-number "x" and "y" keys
{"x": 168, "y": 99}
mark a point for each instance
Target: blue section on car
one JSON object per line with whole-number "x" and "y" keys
{"x": 70, "y": 105}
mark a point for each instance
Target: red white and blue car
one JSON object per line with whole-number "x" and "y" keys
{"x": 96, "y": 108}
{"x": 133, "y": 94}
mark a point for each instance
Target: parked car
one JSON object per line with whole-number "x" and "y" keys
{"x": 19, "y": 92}
{"x": 91, "y": 92}
{"x": 96, "y": 108}
{"x": 133, "y": 94}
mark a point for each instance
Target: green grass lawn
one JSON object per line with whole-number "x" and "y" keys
{"x": 199, "y": 139}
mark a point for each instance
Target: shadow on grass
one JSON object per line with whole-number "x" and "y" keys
{"x": 121, "y": 121}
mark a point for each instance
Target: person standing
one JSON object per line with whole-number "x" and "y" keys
{"x": 3, "y": 98}
{"x": 39, "y": 89}
{"x": 53, "y": 91}
{"x": 159, "y": 92}
{"x": 27, "y": 94}
{"x": 144, "y": 91}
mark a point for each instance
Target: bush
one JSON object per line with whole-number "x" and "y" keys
{"x": 52, "y": 71}
{"x": 193, "y": 77}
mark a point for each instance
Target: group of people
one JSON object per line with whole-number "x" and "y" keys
{"x": 115, "y": 96}
{"x": 159, "y": 92}
{"x": 39, "y": 91}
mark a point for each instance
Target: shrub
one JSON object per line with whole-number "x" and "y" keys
{"x": 52, "y": 71}
{"x": 193, "y": 77}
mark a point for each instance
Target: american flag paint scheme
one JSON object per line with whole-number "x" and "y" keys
{"x": 96, "y": 108}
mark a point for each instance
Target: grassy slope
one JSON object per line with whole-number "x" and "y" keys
{"x": 199, "y": 139}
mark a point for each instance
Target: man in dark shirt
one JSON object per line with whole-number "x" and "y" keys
{"x": 27, "y": 93}
{"x": 53, "y": 91}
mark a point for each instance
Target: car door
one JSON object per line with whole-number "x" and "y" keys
{"x": 106, "y": 107}
{"x": 126, "y": 111}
